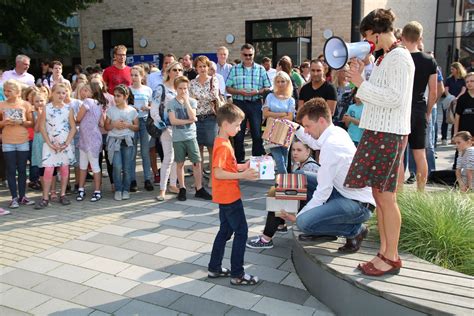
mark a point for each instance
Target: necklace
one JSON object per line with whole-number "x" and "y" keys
{"x": 392, "y": 47}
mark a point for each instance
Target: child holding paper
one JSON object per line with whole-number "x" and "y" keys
{"x": 226, "y": 174}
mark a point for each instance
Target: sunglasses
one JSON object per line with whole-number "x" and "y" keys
{"x": 248, "y": 55}
{"x": 176, "y": 70}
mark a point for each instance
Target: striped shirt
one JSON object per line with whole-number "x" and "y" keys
{"x": 248, "y": 78}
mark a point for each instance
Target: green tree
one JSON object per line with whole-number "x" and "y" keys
{"x": 28, "y": 24}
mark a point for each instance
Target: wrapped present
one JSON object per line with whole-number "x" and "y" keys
{"x": 264, "y": 165}
{"x": 289, "y": 206}
{"x": 291, "y": 186}
{"x": 279, "y": 131}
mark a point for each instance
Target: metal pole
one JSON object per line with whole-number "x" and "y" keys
{"x": 355, "y": 21}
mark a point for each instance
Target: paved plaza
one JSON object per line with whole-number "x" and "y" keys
{"x": 142, "y": 257}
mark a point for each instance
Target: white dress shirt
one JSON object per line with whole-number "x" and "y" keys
{"x": 335, "y": 158}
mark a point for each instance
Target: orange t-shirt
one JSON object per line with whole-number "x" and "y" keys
{"x": 224, "y": 191}
{"x": 15, "y": 134}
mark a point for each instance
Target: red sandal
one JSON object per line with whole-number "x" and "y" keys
{"x": 371, "y": 270}
{"x": 361, "y": 265}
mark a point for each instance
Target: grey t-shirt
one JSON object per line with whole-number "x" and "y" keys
{"x": 128, "y": 115}
{"x": 465, "y": 162}
{"x": 182, "y": 132}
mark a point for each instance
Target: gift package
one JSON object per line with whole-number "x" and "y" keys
{"x": 291, "y": 186}
{"x": 264, "y": 165}
{"x": 274, "y": 205}
{"x": 279, "y": 131}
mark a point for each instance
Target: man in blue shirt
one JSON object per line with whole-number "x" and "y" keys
{"x": 247, "y": 82}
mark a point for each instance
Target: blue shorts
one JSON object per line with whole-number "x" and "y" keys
{"x": 16, "y": 147}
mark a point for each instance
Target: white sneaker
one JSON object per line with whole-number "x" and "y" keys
{"x": 4, "y": 212}
{"x": 125, "y": 195}
{"x": 118, "y": 196}
{"x": 444, "y": 142}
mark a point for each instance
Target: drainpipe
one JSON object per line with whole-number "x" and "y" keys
{"x": 355, "y": 21}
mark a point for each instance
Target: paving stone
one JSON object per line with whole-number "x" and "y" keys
{"x": 115, "y": 253}
{"x": 116, "y": 230}
{"x": 271, "y": 306}
{"x": 178, "y": 254}
{"x": 99, "y": 313}
{"x": 178, "y": 212}
{"x": 264, "y": 260}
{"x": 206, "y": 249}
{"x": 143, "y": 275}
{"x": 293, "y": 280}
{"x": 321, "y": 309}
{"x": 148, "y": 236}
{"x": 4, "y": 287}
{"x": 37, "y": 264}
{"x": 57, "y": 307}
{"x": 282, "y": 292}
{"x": 150, "y": 261}
{"x": 69, "y": 256}
{"x": 187, "y": 269}
{"x": 144, "y": 309}
{"x": 154, "y": 294}
{"x": 12, "y": 312}
{"x": 206, "y": 228}
{"x": 202, "y": 237}
{"x": 88, "y": 235}
{"x": 199, "y": 218}
{"x": 233, "y": 297}
{"x": 194, "y": 202}
{"x": 142, "y": 246}
{"x": 23, "y": 278}
{"x": 266, "y": 273}
{"x": 137, "y": 224}
{"x": 179, "y": 223}
{"x": 173, "y": 231}
{"x": 60, "y": 288}
{"x": 226, "y": 283}
{"x": 199, "y": 306}
{"x": 185, "y": 285}
{"x": 111, "y": 283}
{"x": 235, "y": 311}
{"x": 5, "y": 270}
{"x": 105, "y": 265}
{"x": 151, "y": 218}
{"x": 182, "y": 243}
{"x": 23, "y": 300}
{"x": 287, "y": 266}
{"x": 81, "y": 245}
{"x": 278, "y": 251}
{"x": 108, "y": 239}
{"x": 101, "y": 300}
{"x": 73, "y": 273}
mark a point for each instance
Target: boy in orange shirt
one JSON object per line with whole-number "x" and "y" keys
{"x": 226, "y": 174}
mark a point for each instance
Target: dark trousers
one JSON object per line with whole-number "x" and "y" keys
{"x": 34, "y": 170}
{"x": 16, "y": 161}
{"x": 253, "y": 113}
{"x": 233, "y": 221}
{"x": 102, "y": 155}
{"x": 272, "y": 223}
{"x": 444, "y": 127}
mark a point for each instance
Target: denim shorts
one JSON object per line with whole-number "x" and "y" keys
{"x": 206, "y": 130}
{"x": 16, "y": 147}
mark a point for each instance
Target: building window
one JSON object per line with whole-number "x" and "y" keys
{"x": 276, "y": 38}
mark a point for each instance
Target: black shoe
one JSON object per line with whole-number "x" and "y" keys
{"x": 149, "y": 185}
{"x": 353, "y": 244}
{"x": 411, "y": 179}
{"x": 320, "y": 238}
{"x": 203, "y": 194}
{"x": 133, "y": 186}
{"x": 182, "y": 194}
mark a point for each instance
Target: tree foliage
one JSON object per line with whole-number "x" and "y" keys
{"x": 28, "y": 24}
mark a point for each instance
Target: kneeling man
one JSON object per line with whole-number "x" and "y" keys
{"x": 332, "y": 210}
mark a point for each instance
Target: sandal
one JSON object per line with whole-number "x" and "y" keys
{"x": 54, "y": 197}
{"x": 221, "y": 274}
{"x": 64, "y": 200}
{"x": 81, "y": 194}
{"x": 42, "y": 204}
{"x": 96, "y": 196}
{"x": 245, "y": 279}
{"x": 361, "y": 265}
{"x": 370, "y": 270}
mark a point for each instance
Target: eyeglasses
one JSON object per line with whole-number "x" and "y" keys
{"x": 176, "y": 69}
{"x": 247, "y": 55}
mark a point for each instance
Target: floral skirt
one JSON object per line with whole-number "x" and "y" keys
{"x": 376, "y": 161}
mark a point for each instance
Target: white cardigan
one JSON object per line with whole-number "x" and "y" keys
{"x": 387, "y": 94}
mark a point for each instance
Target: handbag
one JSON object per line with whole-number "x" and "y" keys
{"x": 151, "y": 128}
{"x": 219, "y": 100}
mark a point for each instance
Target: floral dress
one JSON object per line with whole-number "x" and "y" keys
{"x": 90, "y": 139}
{"x": 57, "y": 129}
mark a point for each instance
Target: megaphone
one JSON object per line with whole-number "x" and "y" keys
{"x": 337, "y": 52}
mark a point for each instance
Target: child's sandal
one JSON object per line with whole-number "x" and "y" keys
{"x": 246, "y": 279}
{"x": 221, "y": 274}
{"x": 81, "y": 195}
{"x": 96, "y": 197}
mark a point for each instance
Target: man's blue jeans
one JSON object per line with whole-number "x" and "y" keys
{"x": 122, "y": 165}
{"x": 339, "y": 216}
{"x": 233, "y": 221}
{"x": 143, "y": 137}
{"x": 253, "y": 113}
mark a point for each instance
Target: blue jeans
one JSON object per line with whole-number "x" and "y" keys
{"x": 339, "y": 216}
{"x": 121, "y": 166}
{"x": 143, "y": 137}
{"x": 16, "y": 157}
{"x": 280, "y": 155}
{"x": 233, "y": 221}
{"x": 434, "y": 123}
{"x": 430, "y": 145}
{"x": 253, "y": 113}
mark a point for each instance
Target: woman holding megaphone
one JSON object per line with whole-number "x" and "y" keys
{"x": 386, "y": 120}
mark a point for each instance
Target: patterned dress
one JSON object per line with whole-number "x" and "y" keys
{"x": 90, "y": 139}
{"x": 57, "y": 129}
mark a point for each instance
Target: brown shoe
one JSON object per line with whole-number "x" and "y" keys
{"x": 353, "y": 244}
